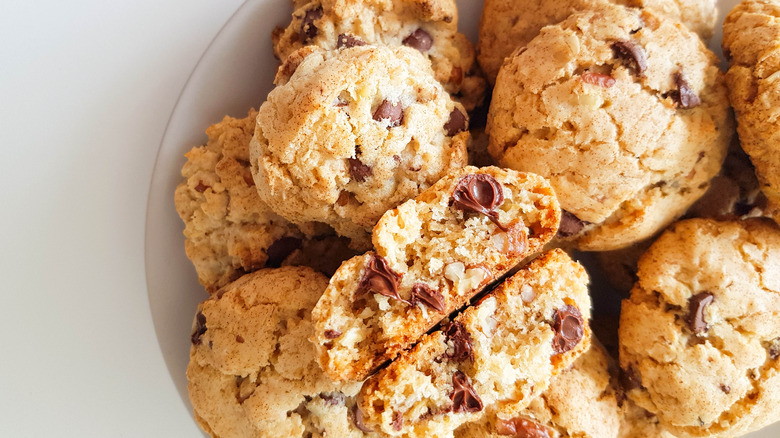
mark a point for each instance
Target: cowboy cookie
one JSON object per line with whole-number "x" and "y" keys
{"x": 431, "y": 255}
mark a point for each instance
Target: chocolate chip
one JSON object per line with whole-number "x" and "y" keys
{"x": 308, "y": 29}
{"x": 459, "y": 337}
{"x": 200, "y": 328}
{"x": 332, "y": 334}
{"x": 334, "y": 399}
{"x": 629, "y": 379}
{"x": 457, "y": 122}
{"x": 358, "y": 170}
{"x": 464, "y": 397}
{"x": 280, "y": 250}
{"x": 696, "y": 306}
{"x": 569, "y": 328}
{"x": 683, "y": 96}
{"x": 422, "y": 293}
{"x": 398, "y": 421}
{"x": 200, "y": 188}
{"x": 239, "y": 339}
{"x": 347, "y": 40}
{"x": 774, "y": 349}
{"x": 379, "y": 278}
{"x": 725, "y": 388}
{"x": 631, "y": 54}
{"x": 598, "y": 79}
{"x": 570, "y": 225}
{"x": 479, "y": 193}
{"x": 393, "y": 113}
{"x": 419, "y": 39}
{"x": 520, "y": 427}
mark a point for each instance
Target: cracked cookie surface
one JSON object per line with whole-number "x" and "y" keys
{"x": 509, "y": 24}
{"x": 751, "y": 37}
{"x": 625, "y": 112}
{"x": 228, "y": 230}
{"x": 430, "y": 26}
{"x": 431, "y": 255}
{"x": 252, "y": 370}
{"x": 351, "y": 133}
{"x": 699, "y": 336}
{"x": 498, "y": 354}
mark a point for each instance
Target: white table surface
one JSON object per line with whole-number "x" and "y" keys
{"x": 86, "y": 90}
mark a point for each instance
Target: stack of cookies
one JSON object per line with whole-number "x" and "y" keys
{"x": 389, "y": 247}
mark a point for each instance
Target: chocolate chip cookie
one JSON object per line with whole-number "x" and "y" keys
{"x": 350, "y": 134}
{"x": 699, "y": 336}
{"x": 750, "y": 39}
{"x": 429, "y": 26}
{"x": 252, "y": 370}
{"x": 624, "y": 111}
{"x": 228, "y": 230}
{"x": 498, "y": 354}
{"x": 508, "y": 24}
{"x": 431, "y": 255}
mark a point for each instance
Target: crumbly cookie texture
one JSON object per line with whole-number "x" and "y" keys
{"x": 580, "y": 402}
{"x": 508, "y": 24}
{"x": 624, "y": 111}
{"x": 352, "y": 133}
{"x": 699, "y": 336}
{"x": 252, "y": 370}
{"x": 429, "y": 26}
{"x": 228, "y": 230}
{"x": 498, "y": 354}
{"x": 751, "y": 38}
{"x": 432, "y": 254}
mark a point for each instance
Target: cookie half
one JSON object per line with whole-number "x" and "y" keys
{"x": 431, "y": 255}
{"x": 499, "y": 354}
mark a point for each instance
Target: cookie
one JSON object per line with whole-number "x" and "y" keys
{"x": 580, "y": 402}
{"x": 429, "y": 26}
{"x": 507, "y": 24}
{"x": 625, "y": 112}
{"x": 431, "y": 255}
{"x": 352, "y": 133}
{"x": 228, "y": 230}
{"x": 699, "y": 336}
{"x": 252, "y": 370}
{"x": 751, "y": 39}
{"x": 498, "y": 354}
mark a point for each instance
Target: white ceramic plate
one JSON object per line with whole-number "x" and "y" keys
{"x": 235, "y": 73}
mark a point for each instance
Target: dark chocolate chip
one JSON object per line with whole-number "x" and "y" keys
{"x": 598, "y": 79}
{"x": 200, "y": 328}
{"x": 629, "y": 379}
{"x": 422, "y": 293}
{"x": 346, "y": 40}
{"x": 334, "y": 399}
{"x": 308, "y": 29}
{"x": 696, "y": 306}
{"x": 464, "y": 397}
{"x": 379, "y": 278}
{"x": 479, "y": 193}
{"x": 419, "y": 39}
{"x": 332, "y": 334}
{"x": 200, "y": 188}
{"x": 725, "y": 388}
{"x": 631, "y": 54}
{"x": 398, "y": 421}
{"x": 569, "y": 328}
{"x": 280, "y": 250}
{"x": 459, "y": 337}
{"x": 239, "y": 339}
{"x": 520, "y": 427}
{"x": 683, "y": 96}
{"x": 457, "y": 123}
{"x": 570, "y": 225}
{"x": 393, "y": 113}
{"x": 358, "y": 170}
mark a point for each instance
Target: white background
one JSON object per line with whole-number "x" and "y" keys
{"x": 86, "y": 89}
